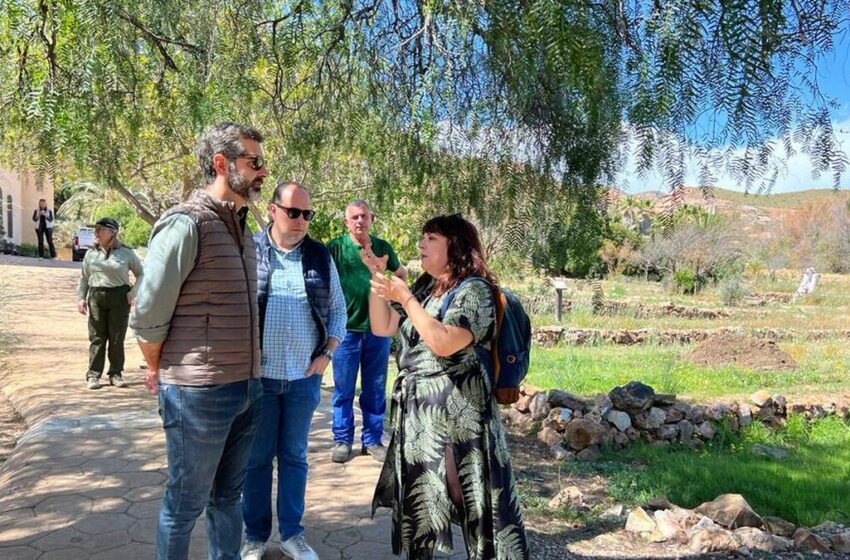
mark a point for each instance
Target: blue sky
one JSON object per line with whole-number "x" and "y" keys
{"x": 834, "y": 78}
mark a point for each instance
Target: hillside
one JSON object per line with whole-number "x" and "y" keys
{"x": 759, "y": 214}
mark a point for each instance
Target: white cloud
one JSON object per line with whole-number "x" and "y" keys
{"x": 797, "y": 176}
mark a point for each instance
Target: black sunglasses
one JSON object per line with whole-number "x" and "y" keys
{"x": 293, "y": 213}
{"x": 257, "y": 161}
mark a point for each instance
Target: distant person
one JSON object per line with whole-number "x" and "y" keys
{"x": 43, "y": 218}
{"x": 448, "y": 459}
{"x": 104, "y": 293}
{"x": 360, "y": 350}
{"x": 197, "y": 324}
{"x": 302, "y": 320}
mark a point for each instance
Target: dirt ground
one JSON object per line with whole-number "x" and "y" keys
{"x": 728, "y": 348}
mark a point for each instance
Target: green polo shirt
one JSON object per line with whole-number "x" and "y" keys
{"x": 354, "y": 276}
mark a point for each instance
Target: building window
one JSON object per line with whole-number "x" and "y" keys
{"x": 9, "y": 222}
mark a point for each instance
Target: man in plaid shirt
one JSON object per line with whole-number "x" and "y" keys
{"x": 302, "y": 321}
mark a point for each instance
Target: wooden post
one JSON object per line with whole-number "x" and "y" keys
{"x": 560, "y": 286}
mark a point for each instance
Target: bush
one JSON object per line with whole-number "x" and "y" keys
{"x": 29, "y": 250}
{"x": 732, "y": 290}
{"x": 686, "y": 281}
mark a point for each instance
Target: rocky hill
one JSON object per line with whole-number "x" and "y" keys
{"x": 759, "y": 214}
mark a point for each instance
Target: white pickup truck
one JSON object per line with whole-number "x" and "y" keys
{"x": 83, "y": 241}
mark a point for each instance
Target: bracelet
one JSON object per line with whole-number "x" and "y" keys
{"x": 412, "y": 296}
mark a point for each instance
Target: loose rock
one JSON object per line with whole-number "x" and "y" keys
{"x": 756, "y": 539}
{"x": 583, "y": 433}
{"x": 633, "y": 397}
{"x": 620, "y": 419}
{"x": 806, "y": 540}
{"x": 639, "y": 521}
{"x": 731, "y": 511}
{"x": 778, "y": 526}
{"x": 712, "y": 540}
{"x": 564, "y": 399}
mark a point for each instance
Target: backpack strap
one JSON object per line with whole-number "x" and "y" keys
{"x": 499, "y": 304}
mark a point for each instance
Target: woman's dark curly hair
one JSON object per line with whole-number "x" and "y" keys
{"x": 465, "y": 256}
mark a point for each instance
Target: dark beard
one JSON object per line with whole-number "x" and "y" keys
{"x": 239, "y": 185}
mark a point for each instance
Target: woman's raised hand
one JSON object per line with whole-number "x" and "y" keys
{"x": 373, "y": 263}
{"x": 390, "y": 289}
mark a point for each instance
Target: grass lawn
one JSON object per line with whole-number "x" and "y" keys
{"x": 587, "y": 370}
{"x": 810, "y": 486}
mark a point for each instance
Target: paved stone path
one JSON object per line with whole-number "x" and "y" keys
{"x": 86, "y": 478}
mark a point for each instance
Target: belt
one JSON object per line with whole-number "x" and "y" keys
{"x": 99, "y": 289}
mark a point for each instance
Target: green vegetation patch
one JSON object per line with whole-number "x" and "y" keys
{"x": 587, "y": 370}
{"x": 809, "y": 486}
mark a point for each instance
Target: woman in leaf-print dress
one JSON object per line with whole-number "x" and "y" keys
{"x": 448, "y": 460}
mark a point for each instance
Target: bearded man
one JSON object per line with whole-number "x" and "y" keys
{"x": 196, "y": 320}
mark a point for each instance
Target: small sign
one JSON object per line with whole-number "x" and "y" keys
{"x": 559, "y": 284}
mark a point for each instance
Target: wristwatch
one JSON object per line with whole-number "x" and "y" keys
{"x": 327, "y": 353}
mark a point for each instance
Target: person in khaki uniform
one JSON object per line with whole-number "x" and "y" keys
{"x": 104, "y": 293}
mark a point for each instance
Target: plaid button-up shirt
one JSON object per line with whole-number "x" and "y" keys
{"x": 290, "y": 334}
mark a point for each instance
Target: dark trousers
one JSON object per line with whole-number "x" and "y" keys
{"x": 48, "y": 233}
{"x": 108, "y": 316}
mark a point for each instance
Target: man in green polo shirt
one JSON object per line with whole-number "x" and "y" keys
{"x": 361, "y": 349}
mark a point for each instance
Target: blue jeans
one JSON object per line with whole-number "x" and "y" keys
{"x": 208, "y": 435}
{"x": 285, "y": 420}
{"x": 369, "y": 354}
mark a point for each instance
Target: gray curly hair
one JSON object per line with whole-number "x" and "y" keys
{"x": 223, "y": 138}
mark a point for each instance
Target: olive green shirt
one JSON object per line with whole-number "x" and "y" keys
{"x": 109, "y": 269}
{"x": 355, "y": 277}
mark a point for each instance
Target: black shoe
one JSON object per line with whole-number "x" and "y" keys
{"x": 341, "y": 453}
{"x": 378, "y": 452}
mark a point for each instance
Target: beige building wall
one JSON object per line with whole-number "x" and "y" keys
{"x": 19, "y": 196}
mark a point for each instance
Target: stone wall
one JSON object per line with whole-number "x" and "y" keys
{"x": 550, "y": 336}
{"x": 577, "y": 428}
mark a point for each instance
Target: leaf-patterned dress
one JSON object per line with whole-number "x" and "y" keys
{"x": 440, "y": 402}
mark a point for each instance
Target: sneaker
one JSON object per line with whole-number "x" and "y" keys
{"x": 117, "y": 380}
{"x": 253, "y": 550}
{"x": 93, "y": 383}
{"x": 298, "y": 549}
{"x": 341, "y": 453}
{"x": 378, "y": 452}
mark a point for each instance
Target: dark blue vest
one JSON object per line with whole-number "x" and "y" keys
{"x": 315, "y": 262}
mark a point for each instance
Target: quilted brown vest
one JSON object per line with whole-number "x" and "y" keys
{"x": 214, "y": 335}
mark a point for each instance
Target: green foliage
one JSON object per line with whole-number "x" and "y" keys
{"x": 587, "y": 370}
{"x": 686, "y": 281}
{"x": 572, "y": 240}
{"x": 483, "y": 108}
{"x": 29, "y": 250}
{"x": 807, "y": 488}
{"x": 134, "y": 232}
{"x": 732, "y": 290}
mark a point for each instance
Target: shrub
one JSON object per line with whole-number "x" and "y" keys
{"x": 686, "y": 281}
{"x": 732, "y": 290}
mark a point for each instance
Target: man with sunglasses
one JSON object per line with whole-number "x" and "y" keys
{"x": 360, "y": 350}
{"x": 302, "y": 320}
{"x": 197, "y": 323}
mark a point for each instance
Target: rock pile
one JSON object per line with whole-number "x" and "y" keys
{"x": 729, "y": 524}
{"x": 554, "y": 335}
{"x": 575, "y": 428}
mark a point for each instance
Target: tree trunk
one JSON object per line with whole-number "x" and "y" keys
{"x": 143, "y": 212}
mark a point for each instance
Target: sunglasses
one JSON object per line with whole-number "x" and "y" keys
{"x": 293, "y": 213}
{"x": 257, "y": 161}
